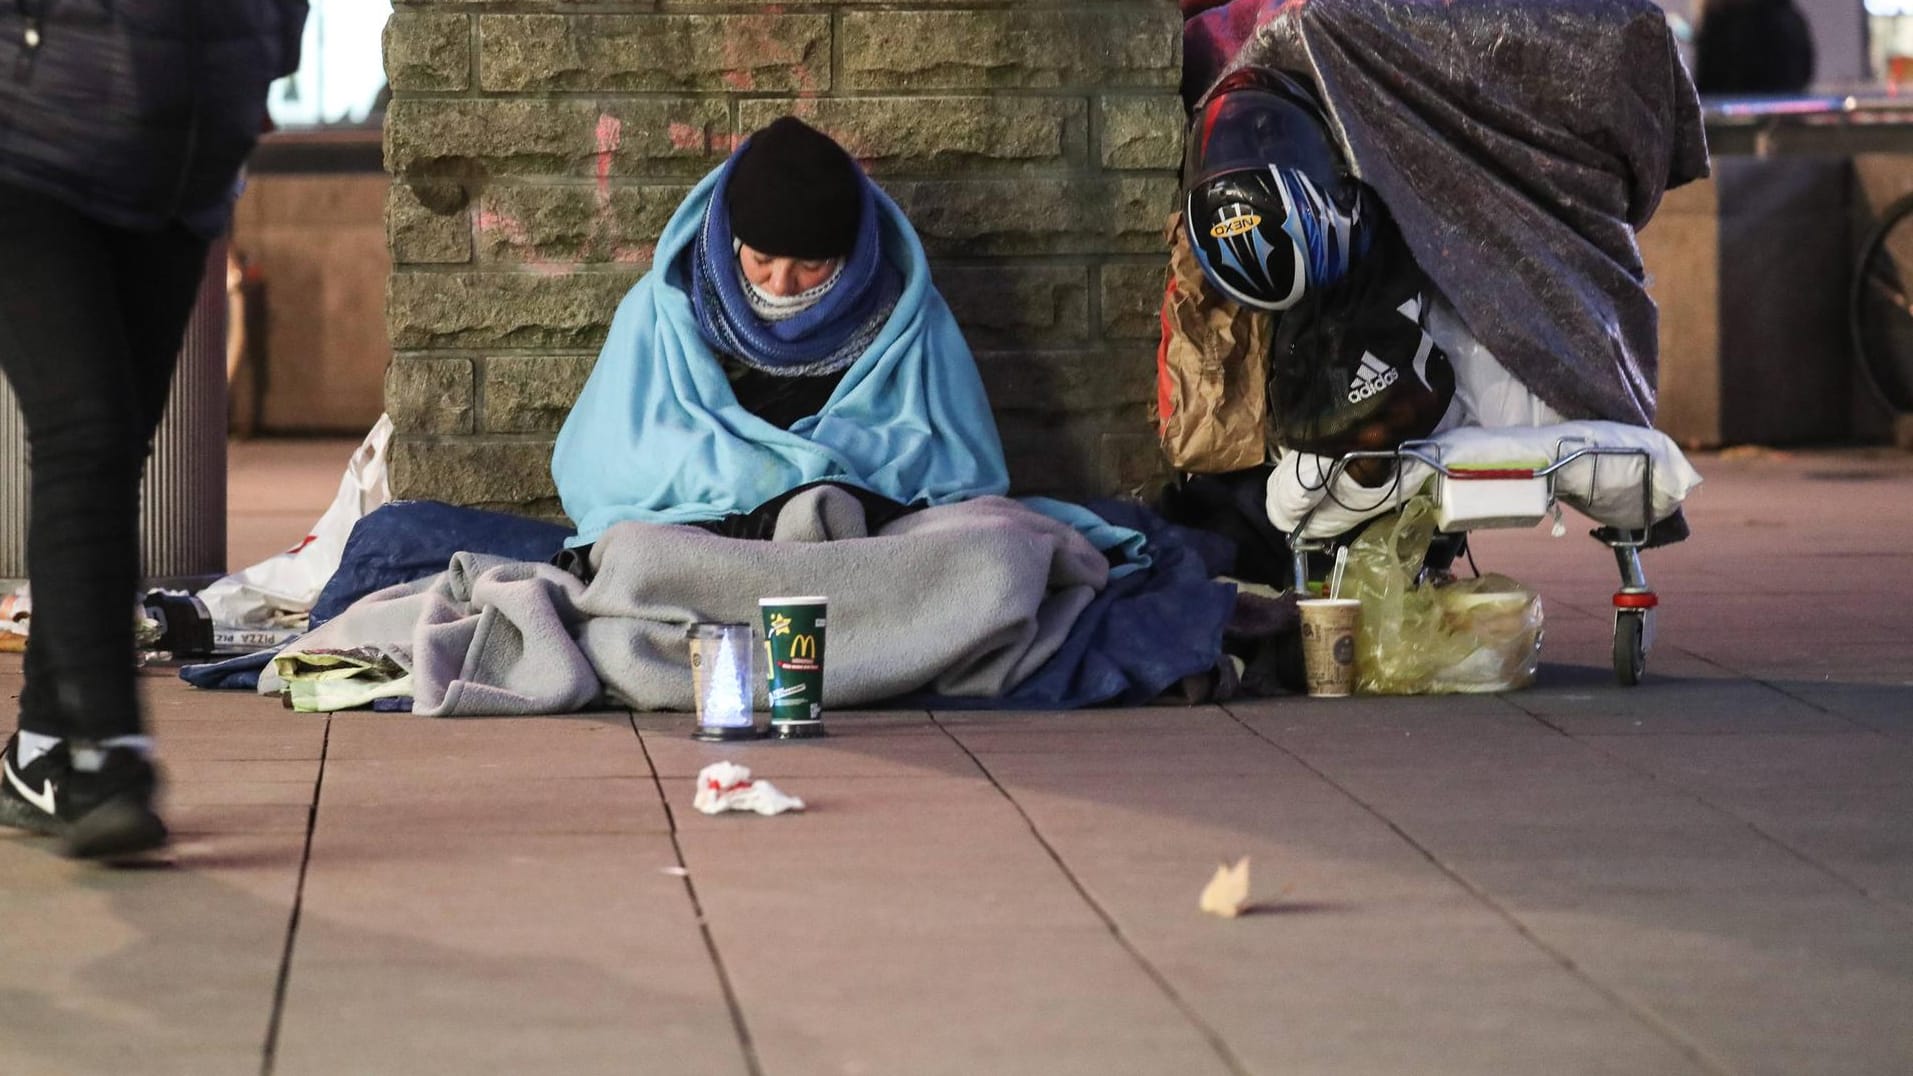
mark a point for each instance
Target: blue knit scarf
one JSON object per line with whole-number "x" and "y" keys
{"x": 823, "y": 339}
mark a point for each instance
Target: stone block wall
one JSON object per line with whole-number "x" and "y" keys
{"x": 538, "y": 146}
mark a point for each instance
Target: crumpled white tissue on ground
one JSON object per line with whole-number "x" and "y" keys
{"x": 726, "y": 786}
{"x": 1227, "y": 894}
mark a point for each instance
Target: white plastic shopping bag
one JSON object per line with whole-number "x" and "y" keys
{"x": 279, "y": 591}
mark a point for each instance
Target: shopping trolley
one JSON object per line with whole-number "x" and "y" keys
{"x": 1479, "y": 498}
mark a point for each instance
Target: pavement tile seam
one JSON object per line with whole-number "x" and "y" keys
{"x": 276, "y": 1023}
{"x": 1209, "y": 1033}
{"x": 740, "y": 1024}
{"x": 1640, "y": 1012}
{"x": 1558, "y": 721}
{"x": 1858, "y": 726}
{"x": 1886, "y": 901}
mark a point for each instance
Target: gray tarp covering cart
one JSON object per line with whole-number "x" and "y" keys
{"x": 1518, "y": 144}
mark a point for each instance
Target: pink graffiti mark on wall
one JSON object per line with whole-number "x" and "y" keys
{"x": 490, "y": 221}
{"x": 687, "y": 136}
{"x": 601, "y": 239}
{"x": 610, "y": 138}
{"x": 752, "y": 46}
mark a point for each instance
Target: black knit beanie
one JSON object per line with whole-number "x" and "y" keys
{"x": 794, "y": 193}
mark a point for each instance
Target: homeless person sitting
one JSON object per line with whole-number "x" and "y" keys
{"x": 785, "y": 371}
{"x": 788, "y": 335}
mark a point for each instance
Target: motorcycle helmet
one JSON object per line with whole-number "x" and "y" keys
{"x": 1271, "y": 211}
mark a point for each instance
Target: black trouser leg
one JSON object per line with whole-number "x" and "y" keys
{"x": 91, "y": 319}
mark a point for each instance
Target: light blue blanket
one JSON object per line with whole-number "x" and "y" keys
{"x": 657, "y": 435}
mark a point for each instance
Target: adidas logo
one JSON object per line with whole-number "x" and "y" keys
{"x": 1371, "y": 377}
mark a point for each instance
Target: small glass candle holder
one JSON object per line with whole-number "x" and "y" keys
{"x": 721, "y": 681}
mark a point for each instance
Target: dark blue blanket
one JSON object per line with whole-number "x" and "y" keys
{"x": 232, "y": 674}
{"x": 408, "y": 540}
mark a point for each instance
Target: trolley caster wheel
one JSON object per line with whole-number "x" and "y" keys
{"x": 1632, "y": 636}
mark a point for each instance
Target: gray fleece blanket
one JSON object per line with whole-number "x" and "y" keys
{"x": 965, "y": 599}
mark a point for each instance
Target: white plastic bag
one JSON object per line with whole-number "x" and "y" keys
{"x": 1300, "y": 483}
{"x": 1488, "y": 394}
{"x": 279, "y": 591}
{"x": 1608, "y": 489}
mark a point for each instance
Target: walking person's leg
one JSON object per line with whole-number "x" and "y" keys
{"x": 156, "y": 284}
{"x": 81, "y": 364}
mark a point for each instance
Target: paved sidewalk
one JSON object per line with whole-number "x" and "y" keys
{"x": 1710, "y": 873}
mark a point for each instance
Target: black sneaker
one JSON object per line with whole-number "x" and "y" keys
{"x": 98, "y": 815}
{"x": 29, "y": 795}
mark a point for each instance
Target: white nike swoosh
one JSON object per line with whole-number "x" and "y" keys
{"x": 1421, "y": 358}
{"x": 42, "y": 799}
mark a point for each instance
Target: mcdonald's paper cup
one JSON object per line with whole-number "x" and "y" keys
{"x": 794, "y": 652}
{"x": 1328, "y": 644}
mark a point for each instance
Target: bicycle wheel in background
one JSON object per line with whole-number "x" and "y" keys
{"x": 1880, "y": 308}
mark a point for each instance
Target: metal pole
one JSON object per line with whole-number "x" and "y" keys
{"x": 183, "y": 498}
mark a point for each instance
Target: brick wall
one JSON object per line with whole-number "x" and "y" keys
{"x": 538, "y": 146}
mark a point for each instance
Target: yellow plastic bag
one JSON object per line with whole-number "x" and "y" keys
{"x": 1469, "y": 635}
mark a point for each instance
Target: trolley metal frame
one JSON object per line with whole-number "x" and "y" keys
{"x": 1634, "y": 603}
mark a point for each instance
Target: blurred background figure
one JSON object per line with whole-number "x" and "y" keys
{"x": 1746, "y": 47}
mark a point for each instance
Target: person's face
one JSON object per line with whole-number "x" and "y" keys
{"x": 783, "y": 277}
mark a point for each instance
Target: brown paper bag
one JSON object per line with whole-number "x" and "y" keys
{"x": 1211, "y": 371}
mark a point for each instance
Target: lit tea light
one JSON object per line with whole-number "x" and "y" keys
{"x": 721, "y": 679}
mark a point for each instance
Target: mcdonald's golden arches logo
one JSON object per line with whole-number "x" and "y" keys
{"x": 803, "y": 648}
